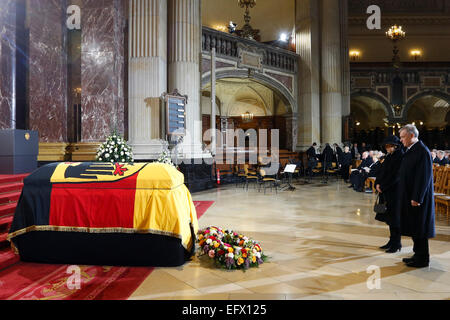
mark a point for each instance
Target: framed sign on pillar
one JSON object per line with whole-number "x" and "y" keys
{"x": 175, "y": 114}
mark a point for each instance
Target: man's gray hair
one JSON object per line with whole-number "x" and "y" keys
{"x": 411, "y": 129}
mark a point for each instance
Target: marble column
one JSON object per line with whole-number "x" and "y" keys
{"x": 7, "y": 63}
{"x": 331, "y": 80}
{"x": 345, "y": 60}
{"x": 184, "y": 42}
{"x": 102, "y": 68}
{"x": 147, "y": 75}
{"x": 48, "y": 69}
{"x": 308, "y": 48}
{"x": 291, "y": 131}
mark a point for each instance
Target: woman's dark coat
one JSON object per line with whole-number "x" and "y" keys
{"x": 416, "y": 183}
{"x": 388, "y": 179}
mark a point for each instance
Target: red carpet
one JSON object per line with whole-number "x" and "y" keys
{"x": 30, "y": 281}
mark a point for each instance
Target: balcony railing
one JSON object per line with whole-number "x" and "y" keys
{"x": 227, "y": 46}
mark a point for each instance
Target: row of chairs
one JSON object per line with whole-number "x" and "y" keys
{"x": 441, "y": 177}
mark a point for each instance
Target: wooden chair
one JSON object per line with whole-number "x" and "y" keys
{"x": 250, "y": 176}
{"x": 318, "y": 169}
{"x": 240, "y": 176}
{"x": 439, "y": 180}
{"x": 334, "y": 170}
{"x": 264, "y": 180}
{"x": 370, "y": 184}
{"x": 442, "y": 199}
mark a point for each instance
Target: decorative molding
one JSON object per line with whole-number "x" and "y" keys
{"x": 402, "y": 20}
{"x": 250, "y": 57}
{"x": 84, "y": 151}
{"x": 53, "y": 151}
{"x": 385, "y": 91}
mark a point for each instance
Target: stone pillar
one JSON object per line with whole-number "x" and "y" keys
{"x": 147, "y": 75}
{"x": 102, "y": 68}
{"x": 345, "y": 60}
{"x": 291, "y": 131}
{"x": 307, "y": 46}
{"x": 48, "y": 69}
{"x": 331, "y": 84}
{"x": 7, "y": 63}
{"x": 184, "y": 33}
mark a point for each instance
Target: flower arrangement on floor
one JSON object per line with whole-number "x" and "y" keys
{"x": 115, "y": 149}
{"x": 229, "y": 249}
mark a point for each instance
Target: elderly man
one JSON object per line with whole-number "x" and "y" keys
{"x": 416, "y": 198}
{"x": 365, "y": 163}
{"x": 442, "y": 160}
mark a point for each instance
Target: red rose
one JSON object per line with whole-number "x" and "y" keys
{"x": 221, "y": 252}
{"x": 244, "y": 251}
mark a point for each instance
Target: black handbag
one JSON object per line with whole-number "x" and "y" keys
{"x": 380, "y": 209}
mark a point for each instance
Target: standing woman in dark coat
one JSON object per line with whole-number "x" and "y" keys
{"x": 416, "y": 196}
{"x": 386, "y": 185}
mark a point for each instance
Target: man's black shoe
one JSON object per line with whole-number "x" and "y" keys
{"x": 408, "y": 260}
{"x": 350, "y": 186}
{"x": 418, "y": 264}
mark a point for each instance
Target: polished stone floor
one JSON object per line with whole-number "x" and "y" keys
{"x": 323, "y": 243}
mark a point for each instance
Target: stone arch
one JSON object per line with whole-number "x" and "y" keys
{"x": 437, "y": 94}
{"x": 263, "y": 79}
{"x": 377, "y": 97}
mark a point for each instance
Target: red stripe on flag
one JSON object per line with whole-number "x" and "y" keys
{"x": 94, "y": 205}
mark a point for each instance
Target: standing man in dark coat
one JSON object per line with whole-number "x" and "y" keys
{"x": 416, "y": 196}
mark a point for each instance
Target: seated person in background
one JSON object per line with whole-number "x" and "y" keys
{"x": 434, "y": 157}
{"x": 359, "y": 179}
{"x": 442, "y": 159}
{"x": 366, "y": 162}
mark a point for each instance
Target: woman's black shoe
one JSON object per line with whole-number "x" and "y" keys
{"x": 394, "y": 249}
{"x": 386, "y": 246}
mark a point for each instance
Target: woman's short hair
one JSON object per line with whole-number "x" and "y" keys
{"x": 410, "y": 128}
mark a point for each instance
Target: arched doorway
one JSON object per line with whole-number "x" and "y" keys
{"x": 236, "y": 96}
{"x": 429, "y": 112}
{"x": 369, "y": 116}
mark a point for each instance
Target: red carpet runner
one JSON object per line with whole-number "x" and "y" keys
{"x": 30, "y": 281}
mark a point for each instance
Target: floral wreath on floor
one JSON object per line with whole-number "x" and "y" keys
{"x": 230, "y": 250}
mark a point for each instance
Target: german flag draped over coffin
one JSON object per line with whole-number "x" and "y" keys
{"x": 111, "y": 214}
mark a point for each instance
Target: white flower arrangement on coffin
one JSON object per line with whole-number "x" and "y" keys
{"x": 165, "y": 158}
{"x": 115, "y": 149}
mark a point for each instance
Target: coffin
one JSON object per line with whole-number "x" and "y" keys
{"x": 105, "y": 214}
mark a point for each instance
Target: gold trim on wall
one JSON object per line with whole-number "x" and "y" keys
{"x": 56, "y": 151}
{"x": 84, "y": 151}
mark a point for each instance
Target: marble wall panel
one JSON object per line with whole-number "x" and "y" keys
{"x": 102, "y": 68}
{"x": 48, "y": 69}
{"x": 7, "y": 59}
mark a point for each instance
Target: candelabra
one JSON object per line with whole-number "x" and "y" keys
{"x": 247, "y": 30}
{"x": 396, "y": 34}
